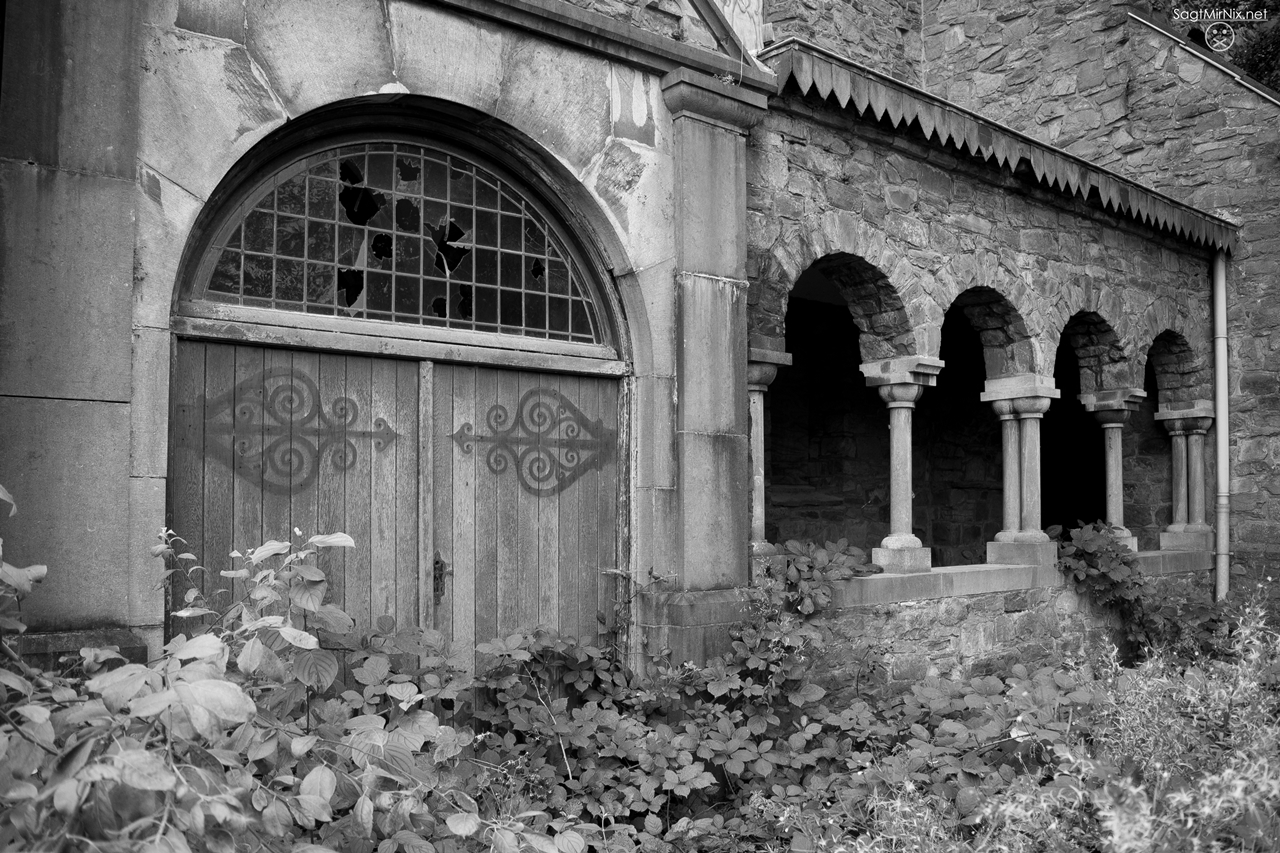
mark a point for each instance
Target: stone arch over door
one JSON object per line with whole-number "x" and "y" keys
{"x": 390, "y": 327}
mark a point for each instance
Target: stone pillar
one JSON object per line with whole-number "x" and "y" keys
{"x": 900, "y": 382}
{"x": 762, "y": 367}
{"x": 1187, "y": 424}
{"x": 1020, "y": 401}
{"x": 706, "y": 517}
{"x": 1111, "y": 409}
{"x": 1011, "y": 454}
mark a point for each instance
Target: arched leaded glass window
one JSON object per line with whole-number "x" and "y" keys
{"x": 402, "y": 233}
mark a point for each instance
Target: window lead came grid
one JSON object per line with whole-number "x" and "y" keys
{"x": 406, "y": 234}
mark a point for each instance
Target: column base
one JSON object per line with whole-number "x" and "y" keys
{"x": 1186, "y": 540}
{"x": 1044, "y": 554}
{"x": 1023, "y": 536}
{"x": 903, "y": 561}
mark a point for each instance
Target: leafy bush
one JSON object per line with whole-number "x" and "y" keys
{"x": 278, "y": 728}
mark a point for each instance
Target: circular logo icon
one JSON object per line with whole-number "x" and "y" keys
{"x": 1220, "y": 36}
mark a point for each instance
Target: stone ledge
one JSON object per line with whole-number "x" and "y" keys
{"x": 1175, "y": 562}
{"x": 947, "y": 581}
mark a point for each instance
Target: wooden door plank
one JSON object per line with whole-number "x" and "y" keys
{"x": 548, "y": 535}
{"x": 382, "y": 492}
{"x": 527, "y": 539}
{"x": 607, "y": 536}
{"x": 486, "y": 513}
{"x": 406, "y": 521}
{"x": 426, "y": 494}
{"x": 282, "y": 397}
{"x": 442, "y": 500}
{"x": 304, "y": 502}
{"x": 331, "y": 486}
{"x": 246, "y": 504}
{"x": 507, "y": 532}
{"x": 588, "y": 528}
{"x": 569, "y": 559}
{"x": 464, "y": 507}
{"x": 186, "y": 473}
{"x": 220, "y": 457}
{"x": 358, "y": 495}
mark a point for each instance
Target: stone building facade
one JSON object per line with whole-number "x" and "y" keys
{"x": 690, "y": 276}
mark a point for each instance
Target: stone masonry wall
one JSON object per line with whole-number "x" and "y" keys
{"x": 1107, "y": 87}
{"x": 960, "y": 637}
{"x": 884, "y": 34}
{"x": 938, "y": 224}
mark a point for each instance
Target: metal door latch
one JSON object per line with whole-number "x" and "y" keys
{"x": 438, "y": 570}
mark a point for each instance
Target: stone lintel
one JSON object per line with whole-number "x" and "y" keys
{"x": 1116, "y": 399}
{"x": 1042, "y": 554}
{"x": 1192, "y": 409}
{"x": 692, "y": 94}
{"x": 1019, "y": 385}
{"x": 768, "y": 356}
{"x": 904, "y": 370}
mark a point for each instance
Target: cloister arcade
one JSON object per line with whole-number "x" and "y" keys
{"x": 995, "y": 430}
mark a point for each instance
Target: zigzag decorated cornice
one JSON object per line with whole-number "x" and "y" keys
{"x": 827, "y": 74}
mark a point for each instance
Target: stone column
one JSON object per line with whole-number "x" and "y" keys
{"x": 1196, "y": 429}
{"x": 1020, "y": 401}
{"x": 762, "y": 367}
{"x": 1187, "y": 423}
{"x": 1111, "y": 409}
{"x": 900, "y": 382}
{"x": 1011, "y": 454}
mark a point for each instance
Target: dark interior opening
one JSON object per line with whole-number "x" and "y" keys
{"x": 1072, "y": 464}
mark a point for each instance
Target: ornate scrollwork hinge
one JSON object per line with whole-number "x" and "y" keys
{"x": 284, "y": 431}
{"x": 551, "y": 442}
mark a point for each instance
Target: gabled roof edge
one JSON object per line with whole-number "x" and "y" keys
{"x": 815, "y": 69}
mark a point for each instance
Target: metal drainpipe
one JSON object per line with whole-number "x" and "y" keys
{"x": 1221, "y": 418}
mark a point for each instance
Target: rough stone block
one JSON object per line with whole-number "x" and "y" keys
{"x": 316, "y": 52}
{"x": 1042, "y": 554}
{"x": 715, "y": 528}
{"x": 711, "y": 360}
{"x": 65, "y": 276}
{"x": 166, "y": 213}
{"x": 204, "y": 104}
{"x": 70, "y": 89}
{"x": 146, "y": 573}
{"x": 67, "y": 463}
{"x": 902, "y": 560}
{"x": 1187, "y": 541}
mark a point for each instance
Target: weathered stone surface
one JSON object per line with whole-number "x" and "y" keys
{"x": 70, "y": 89}
{"x": 885, "y": 33}
{"x": 149, "y": 447}
{"x": 67, "y": 463}
{"x": 715, "y": 482}
{"x": 711, "y": 367}
{"x": 146, "y": 573}
{"x": 474, "y": 83}
{"x": 65, "y": 273}
{"x": 204, "y": 103}
{"x": 166, "y": 213}
{"x": 315, "y": 52}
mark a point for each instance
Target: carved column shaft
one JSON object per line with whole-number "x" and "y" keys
{"x": 901, "y": 399}
{"x": 1112, "y": 421}
{"x": 759, "y": 375}
{"x": 1030, "y": 411}
{"x": 1010, "y": 446}
{"x": 1179, "y": 478}
{"x": 1187, "y": 424}
{"x": 1195, "y": 480}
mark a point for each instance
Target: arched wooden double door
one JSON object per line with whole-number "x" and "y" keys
{"x": 481, "y": 500}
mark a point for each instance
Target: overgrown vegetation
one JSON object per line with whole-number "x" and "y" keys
{"x": 279, "y": 728}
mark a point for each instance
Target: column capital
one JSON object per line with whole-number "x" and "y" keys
{"x": 1004, "y": 409}
{"x": 692, "y": 94}
{"x": 1019, "y": 385}
{"x": 762, "y": 366}
{"x": 1032, "y": 407}
{"x": 905, "y": 370}
{"x": 1182, "y": 418}
{"x": 1111, "y": 418}
{"x": 901, "y": 394}
{"x": 1114, "y": 400}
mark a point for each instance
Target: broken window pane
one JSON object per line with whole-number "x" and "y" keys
{"x": 401, "y": 233}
